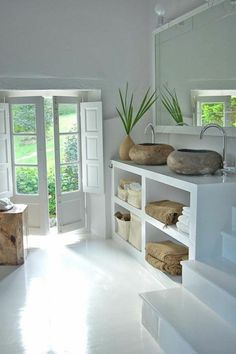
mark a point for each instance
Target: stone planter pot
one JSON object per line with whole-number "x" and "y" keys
{"x": 125, "y": 147}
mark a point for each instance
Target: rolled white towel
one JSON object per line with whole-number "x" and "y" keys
{"x": 184, "y": 219}
{"x": 182, "y": 227}
{"x": 186, "y": 211}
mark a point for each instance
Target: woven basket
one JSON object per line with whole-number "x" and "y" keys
{"x": 134, "y": 198}
{"x": 122, "y": 193}
{"x": 123, "y": 228}
{"x": 135, "y": 234}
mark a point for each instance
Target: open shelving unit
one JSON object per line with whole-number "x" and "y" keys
{"x": 204, "y": 195}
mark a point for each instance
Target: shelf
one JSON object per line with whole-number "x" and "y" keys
{"x": 130, "y": 248}
{"x": 128, "y": 206}
{"x": 164, "y": 175}
{"x": 170, "y": 230}
{"x": 198, "y": 192}
{"x": 167, "y": 281}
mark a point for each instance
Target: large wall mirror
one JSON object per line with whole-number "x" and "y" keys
{"x": 197, "y": 59}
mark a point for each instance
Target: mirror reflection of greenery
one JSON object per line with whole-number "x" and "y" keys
{"x": 213, "y": 113}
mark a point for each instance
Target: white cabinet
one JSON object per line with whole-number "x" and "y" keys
{"x": 210, "y": 199}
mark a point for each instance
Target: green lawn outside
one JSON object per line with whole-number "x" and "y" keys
{"x": 25, "y": 152}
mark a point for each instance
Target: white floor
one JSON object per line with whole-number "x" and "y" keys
{"x": 74, "y": 298}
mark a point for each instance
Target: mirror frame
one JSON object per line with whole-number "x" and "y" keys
{"x": 174, "y": 129}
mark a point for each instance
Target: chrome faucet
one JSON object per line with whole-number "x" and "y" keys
{"x": 150, "y": 125}
{"x": 214, "y": 125}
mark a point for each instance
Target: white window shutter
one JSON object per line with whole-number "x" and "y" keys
{"x": 6, "y": 185}
{"x": 92, "y": 147}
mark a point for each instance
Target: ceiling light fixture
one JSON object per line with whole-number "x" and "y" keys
{"x": 160, "y": 11}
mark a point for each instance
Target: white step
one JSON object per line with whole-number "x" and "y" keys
{"x": 183, "y": 325}
{"x": 229, "y": 245}
{"x": 234, "y": 218}
{"x": 214, "y": 283}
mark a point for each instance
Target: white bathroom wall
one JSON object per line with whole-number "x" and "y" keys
{"x": 86, "y": 44}
{"x": 75, "y": 44}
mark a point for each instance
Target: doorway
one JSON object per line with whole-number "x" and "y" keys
{"x": 51, "y": 145}
{"x": 46, "y": 161}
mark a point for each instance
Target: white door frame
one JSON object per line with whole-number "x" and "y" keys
{"x": 38, "y": 204}
{"x": 6, "y": 188}
{"x": 70, "y": 205}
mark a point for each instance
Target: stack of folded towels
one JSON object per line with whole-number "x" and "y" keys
{"x": 166, "y": 256}
{"x": 183, "y": 223}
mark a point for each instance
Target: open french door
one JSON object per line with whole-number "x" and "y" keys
{"x": 69, "y": 193}
{"x": 5, "y": 153}
{"x": 29, "y": 160}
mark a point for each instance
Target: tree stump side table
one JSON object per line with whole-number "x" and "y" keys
{"x": 13, "y": 235}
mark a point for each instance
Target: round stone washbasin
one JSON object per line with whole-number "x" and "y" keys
{"x": 194, "y": 162}
{"x": 150, "y": 154}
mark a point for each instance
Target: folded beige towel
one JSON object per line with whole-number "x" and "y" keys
{"x": 167, "y": 251}
{"x": 165, "y": 211}
{"x": 173, "y": 269}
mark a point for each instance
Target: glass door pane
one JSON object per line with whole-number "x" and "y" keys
{"x": 67, "y": 118}
{"x": 25, "y": 148}
{"x": 68, "y": 147}
{"x": 24, "y": 118}
{"x": 69, "y": 178}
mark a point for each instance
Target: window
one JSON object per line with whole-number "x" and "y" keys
{"x": 216, "y": 109}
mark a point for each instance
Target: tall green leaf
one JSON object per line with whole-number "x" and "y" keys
{"x": 170, "y": 102}
{"x": 126, "y": 112}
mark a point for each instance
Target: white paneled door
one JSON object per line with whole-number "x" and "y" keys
{"x": 69, "y": 193}
{"x": 92, "y": 147}
{"x": 29, "y": 160}
{"x": 5, "y": 153}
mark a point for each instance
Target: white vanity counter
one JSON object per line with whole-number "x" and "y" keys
{"x": 169, "y": 176}
{"x": 210, "y": 199}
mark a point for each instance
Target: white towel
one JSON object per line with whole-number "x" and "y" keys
{"x": 182, "y": 227}
{"x": 184, "y": 219}
{"x": 186, "y": 208}
{"x": 186, "y": 211}
{"x": 135, "y": 186}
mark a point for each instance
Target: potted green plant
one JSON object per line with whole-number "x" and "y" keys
{"x": 129, "y": 118}
{"x": 170, "y": 102}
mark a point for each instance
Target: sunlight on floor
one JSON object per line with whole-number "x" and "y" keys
{"x": 75, "y": 294}
{"x": 56, "y": 240}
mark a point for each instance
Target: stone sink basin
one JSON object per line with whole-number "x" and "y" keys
{"x": 194, "y": 162}
{"x": 150, "y": 154}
